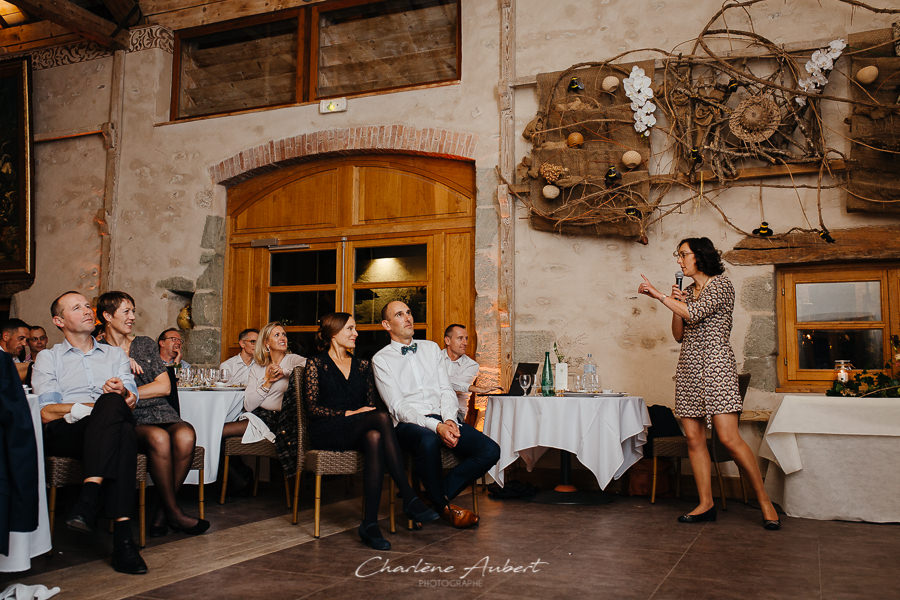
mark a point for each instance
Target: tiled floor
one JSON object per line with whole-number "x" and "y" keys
{"x": 626, "y": 549}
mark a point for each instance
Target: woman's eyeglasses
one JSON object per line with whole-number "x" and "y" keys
{"x": 681, "y": 255}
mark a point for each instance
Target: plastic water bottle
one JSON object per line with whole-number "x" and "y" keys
{"x": 591, "y": 381}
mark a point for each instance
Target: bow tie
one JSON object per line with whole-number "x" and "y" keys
{"x": 410, "y": 348}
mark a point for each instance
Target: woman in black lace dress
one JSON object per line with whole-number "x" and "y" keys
{"x": 167, "y": 440}
{"x": 339, "y": 393}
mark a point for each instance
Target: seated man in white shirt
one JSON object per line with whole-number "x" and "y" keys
{"x": 238, "y": 366}
{"x": 79, "y": 371}
{"x": 462, "y": 370}
{"x": 414, "y": 385}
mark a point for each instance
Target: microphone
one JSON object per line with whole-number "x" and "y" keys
{"x": 679, "y": 277}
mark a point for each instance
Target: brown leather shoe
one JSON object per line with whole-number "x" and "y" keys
{"x": 459, "y": 517}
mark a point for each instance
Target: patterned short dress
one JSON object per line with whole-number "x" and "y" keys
{"x": 706, "y": 380}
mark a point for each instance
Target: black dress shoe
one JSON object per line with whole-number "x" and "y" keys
{"x": 81, "y": 520}
{"x": 371, "y": 537}
{"x": 127, "y": 559}
{"x": 201, "y": 527}
{"x": 772, "y": 525}
{"x": 709, "y": 515}
{"x": 419, "y": 512}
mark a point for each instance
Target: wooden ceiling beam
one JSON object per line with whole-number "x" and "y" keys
{"x": 79, "y": 20}
{"x": 127, "y": 13}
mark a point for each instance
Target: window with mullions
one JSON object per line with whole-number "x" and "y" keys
{"x": 835, "y": 313}
{"x": 337, "y": 48}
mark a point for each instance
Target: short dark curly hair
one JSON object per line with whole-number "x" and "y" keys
{"x": 709, "y": 260}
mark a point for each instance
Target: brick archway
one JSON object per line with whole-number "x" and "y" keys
{"x": 374, "y": 138}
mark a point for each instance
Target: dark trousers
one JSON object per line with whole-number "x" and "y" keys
{"x": 106, "y": 444}
{"x": 476, "y": 452}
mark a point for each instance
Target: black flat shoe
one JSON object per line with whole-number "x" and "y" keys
{"x": 82, "y": 522}
{"x": 371, "y": 537}
{"x": 201, "y": 527}
{"x": 158, "y": 530}
{"x": 709, "y": 515}
{"x": 772, "y": 525}
{"x": 127, "y": 559}
{"x": 419, "y": 512}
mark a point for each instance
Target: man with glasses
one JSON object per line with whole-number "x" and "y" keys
{"x": 37, "y": 341}
{"x": 170, "y": 346}
{"x": 238, "y": 366}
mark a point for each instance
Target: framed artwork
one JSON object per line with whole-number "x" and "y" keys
{"x": 16, "y": 177}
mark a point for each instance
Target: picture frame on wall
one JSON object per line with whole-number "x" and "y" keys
{"x": 16, "y": 172}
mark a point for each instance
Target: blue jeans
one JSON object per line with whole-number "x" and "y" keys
{"x": 476, "y": 452}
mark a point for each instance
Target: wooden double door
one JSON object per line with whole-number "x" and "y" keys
{"x": 351, "y": 234}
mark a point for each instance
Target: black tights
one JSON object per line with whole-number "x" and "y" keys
{"x": 170, "y": 451}
{"x": 378, "y": 443}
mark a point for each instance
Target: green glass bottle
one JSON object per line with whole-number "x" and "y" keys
{"x": 547, "y": 377}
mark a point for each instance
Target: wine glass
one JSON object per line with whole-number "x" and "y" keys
{"x": 224, "y": 376}
{"x": 525, "y": 380}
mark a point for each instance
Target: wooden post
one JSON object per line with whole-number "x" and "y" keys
{"x": 112, "y": 136}
{"x": 505, "y": 203}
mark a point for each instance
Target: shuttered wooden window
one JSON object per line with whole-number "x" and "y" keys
{"x": 369, "y": 46}
{"x": 340, "y": 48}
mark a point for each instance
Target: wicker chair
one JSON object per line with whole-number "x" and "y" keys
{"x": 261, "y": 449}
{"x": 323, "y": 462}
{"x": 61, "y": 471}
{"x": 675, "y": 447}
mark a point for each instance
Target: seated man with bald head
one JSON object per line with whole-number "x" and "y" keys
{"x": 80, "y": 374}
{"x": 413, "y": 382}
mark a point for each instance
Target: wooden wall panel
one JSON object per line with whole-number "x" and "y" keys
{"x": 391, "y": 195}
{"x": 310, "y": 202}
{"x": 244, "y": 306}
{"x": 459, "y": 290}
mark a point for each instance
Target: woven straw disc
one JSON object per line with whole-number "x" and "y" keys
{"x": 755, "y": 119}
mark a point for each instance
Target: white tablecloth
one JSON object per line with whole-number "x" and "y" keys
{"x": 835, "y": 457}
{"x": 208, "y": 411}
{"x": 606, "y": 434}
{"x": 25, "y": 546}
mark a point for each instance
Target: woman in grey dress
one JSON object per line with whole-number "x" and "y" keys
{"x": 706, "y": 385}
{"x": 167, "y": 440}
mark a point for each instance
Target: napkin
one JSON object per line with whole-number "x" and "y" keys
{"x": 256, "y": 430}
{"x": 78, "y": 412}
{"x": 20, "y": 591}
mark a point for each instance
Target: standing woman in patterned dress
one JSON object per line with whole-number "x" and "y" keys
{"x": 706, "y": 383}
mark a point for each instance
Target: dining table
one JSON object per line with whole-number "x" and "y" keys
{"x": 23, "y": 546}
{"x": 605, "y": 432}
{"x": 208, "y": 409}
{"x": 834, "y": 457}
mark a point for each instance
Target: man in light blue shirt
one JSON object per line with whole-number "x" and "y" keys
{"x": 70, "y": 377}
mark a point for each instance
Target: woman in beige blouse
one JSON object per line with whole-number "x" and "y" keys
{"x": 268, "y": 378}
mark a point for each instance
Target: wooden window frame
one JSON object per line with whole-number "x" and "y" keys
{"x": 793, "y": 379}
{"x": 306, "y": 56}
{"x": 313, "y": 56}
